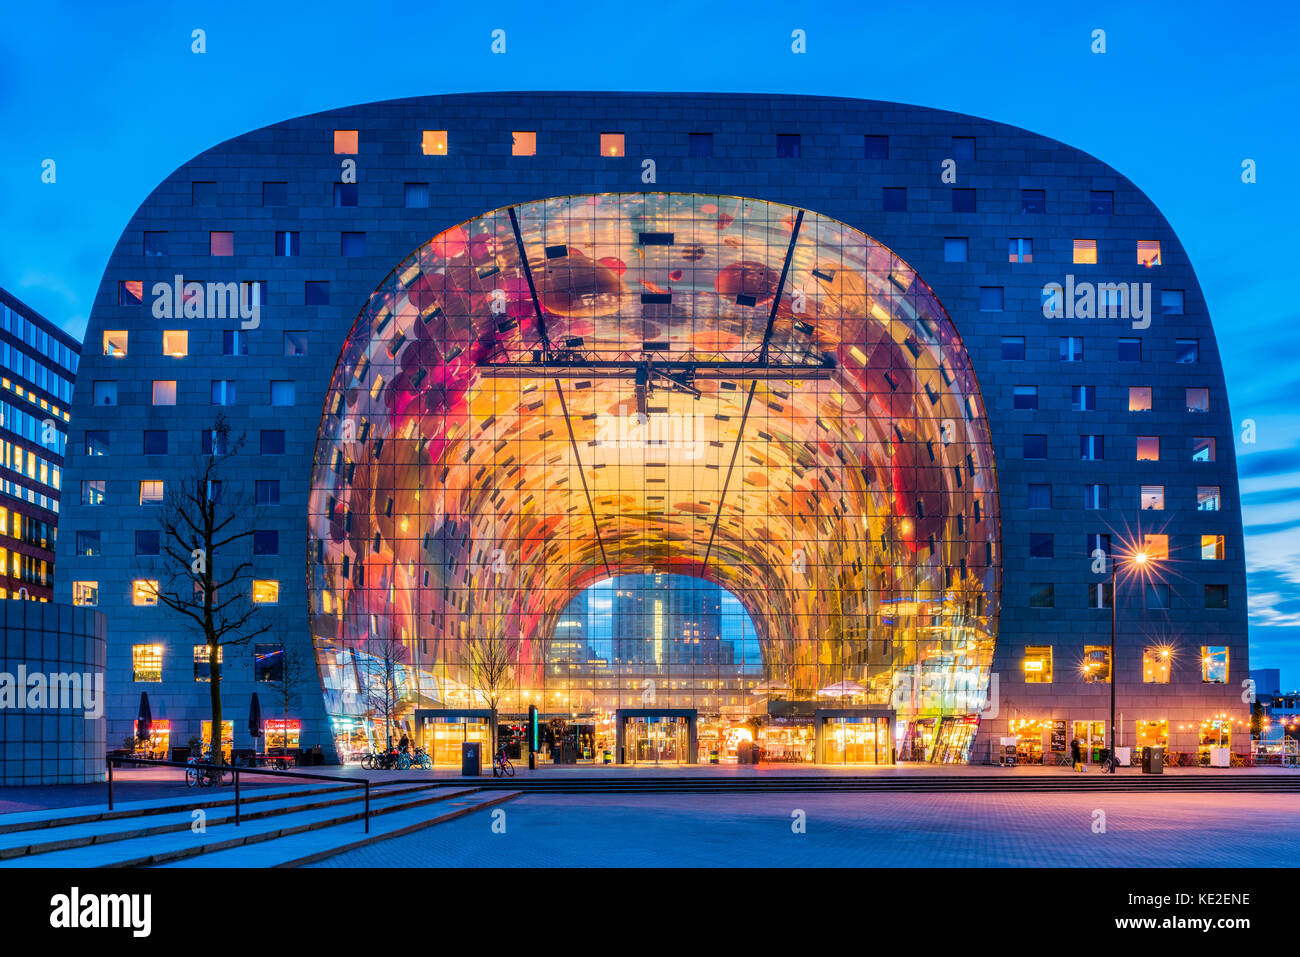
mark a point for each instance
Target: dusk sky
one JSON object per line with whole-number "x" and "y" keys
{"x": 1183, "y": 94}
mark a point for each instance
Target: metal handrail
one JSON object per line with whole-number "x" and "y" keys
{"x": 236, "y": 770}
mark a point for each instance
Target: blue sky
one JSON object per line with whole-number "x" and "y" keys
{"x": 1183, "y": 94}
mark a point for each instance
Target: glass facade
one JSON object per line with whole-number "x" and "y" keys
{"x": 562, "y": 392}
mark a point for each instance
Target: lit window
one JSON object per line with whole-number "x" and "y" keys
{"x": 93, "y": 491}
{"x": 1153, "y": 497}
{"x": 1212, "y": 548}
{"x": 1085, "y": 252}
{"x": 1148, "y": 252}
{"x": 266, "y": 591}
{"x": 146, "y": 662}
{"x": 221, "y": 244}
{"x": 1214, "y": 664}
{"x": 434, "y": 143}
{"x": 345, "y": 141}
{"x": 1139, "y": 398}
{"x": 1153, "y": 734}
{"x": 88, "y": 543}
{"x": 1037, "y": 665}
{"x": 85, "y": 593}
{"x": 1198, "y": 400}
{"x": 1096, "y": 664}
{"x": 130, "y": 292}
{"x": 1156, "y": 665}
{"x": 1148, "y": 448}
{"x": 523, "y": 143}
{"x": 611, "y": 144}
{"x": 203, "y": 662}
{"x": 1202, "y": 449}
{"x": 164, "y": 391}
{"x": 176, "y": 343}
{"x": 151, "y": 492}
{"x": 144, "y": 591}
{"x": 115, "y": 343}
{"x": 1156, "y": 547}
{"x": 1022, "y": 251}
{"x": 1207, "y": 498}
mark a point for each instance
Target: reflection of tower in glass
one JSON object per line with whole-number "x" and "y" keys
{"x": 569, "y": 643}
{"x": 661, "y": 619}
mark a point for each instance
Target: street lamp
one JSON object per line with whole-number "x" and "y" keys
{"x": 1140, "y": 559}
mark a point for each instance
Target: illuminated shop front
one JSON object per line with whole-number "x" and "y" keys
{"x": 227, "y": 737}
{"x": 442, "y": 733}
{"x": 158, "y": 745}
{"x": 854, "y": 736}
{"x": 282, "y": 732}
{"x": 557, "y": 394}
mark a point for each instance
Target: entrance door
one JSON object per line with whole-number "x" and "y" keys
{"x": 656, "y": 740}
{"x": 1092, "y": 738}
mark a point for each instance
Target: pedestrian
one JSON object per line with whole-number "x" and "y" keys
{"x": 1075, "y": 755}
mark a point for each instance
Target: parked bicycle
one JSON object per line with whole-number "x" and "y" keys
{"x": 196, "y": 776}
{"x": 501, "y": 766}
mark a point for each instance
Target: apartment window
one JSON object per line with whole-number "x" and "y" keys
{"x": 148, "y": 542}
{"x": 1071, "y": 349}
{"x": 352, "y": 244}
{"x": 1040, "y": 545}
{"x": 611, "y": 144}
{"x": 1214, "y": 664}
{"x": 144, "y": 592}
{"x": 176, "y": 343}
{"x": 1035, "y": 447}
{"x": 266, "y": 542}
{"x": 1202, "y": 450}
{"x": 1152, "y": 498}
{"x": 1156, "y": 664}
{"x": 1216, "y": 597}
{"x": 155, "y": 442}
{"x": 1187, "y": 351}
{"x": 275, "y": 194}
{"x": 213, "y": 442}
{"x": 1101, "y": 202}
{"x": 1211, "y": 548}
{"x": 1157, "y": 597}
{"x": 282, "y": 392}
{"x": 1033, "y": 201}
{"x": 267, "y": 491}
{"x": 433, "y": 143}
{"x": 1040, "y": 496}
{"x": 1025, "y": 397}
{"x": 1021, "y": 251}
{"x": 268, "y": 662}
{"x": 1037, "y": 665}
{"x": 146, "y": 663}
{"x": 316, "y": 293}
{"x": 955, "y": 249}
{"x": 214, "y": 491}
{"x": 1207, "y": 498}
{"x": 164, "y": 391}
{"x": 1083, "y": 398}
{"x": 345, "y": 141}
{"x": 221, "y": 243}
{"x": 1096, "y": 664}
{"x": 203, "y": 193}
{"x": 155, "y": 243}
{"x": 1156, "y": 547}
{"x": 1148, "y": 448}
{"x": 700, "y": 145}
{"x": 1171, "y": 302}
{"x": 1129, "y": 350}
{"x": 272, "y": 442}
{"x": 1096, "y": 542}
{"x": 1100, "y": 595}
{"x": 523, "y": 143}
{"x": 93, "y": 491}
{"x": 1148, "y": 252}
{"x": 963, "y": 200}
{"x": 130, "y": 292}
{"x": 1139, "y": 398}
{"x": 1096, "y": 497}
{"x": 416, "y": 195}
{"x": 266, "y": 591}
{"x": 295, "y": 343}
{"x": 288, "y": 243}
{"x": 151, "y": 492}
{"x": 115, "y": 342}
{"x": 875, "y": 147}
{"x": 963, "y": 148}
{"x": 787, "y": 145}
{"x": 894, "y": 199}
{"x": 223, "y": 391}
{"x": 1092, "y": 447}
{"x": 234, "y": 342}
{"x": 1042, "y": 595}
{"x": 1013, "y": 347}
{"x": 97, "y": 442}
{"x": 203, "y": 658}
{"x": 990, "y": 298}
{"x": 345, "y": 195}
{"x": 88, "y": 544}
{"x": 85, "y": 594}
{"x": 1198, "y": 400}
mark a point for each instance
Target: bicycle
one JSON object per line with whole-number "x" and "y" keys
{"x": 501, "y": 766}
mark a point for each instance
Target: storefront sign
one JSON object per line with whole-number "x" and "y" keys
{"x": 1058, "y": 736}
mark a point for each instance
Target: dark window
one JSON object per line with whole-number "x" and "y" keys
{"x": 1013, "y": 347}
{"x": 417, "y": 195}
{"x": 1033, "y": 201}
{"x": 1101, "y": 202}
{"x": 1040, "y": 496}
{"x": 1171, "y": 302}
{"x": 1096, "y": 542}
{"x": 955, "y": 249}
{"x": 1100, "y": 596}
{"x": 1092, "y": 447}
{"x": 1187, "y": 350}
{"x": 1040, "y": 545}
{"x": 275, "y": 194}
{"x": 213, "y": 443}
{"x": 1071, "y": 349}
{"x": 787, "y": 145}
{"x": 234, "y": 342}
{"x": 288, "y": 244}
{"x": 1025, "y": 397}
{"x": 130, "y": 292}
{"x": 88, "y": 544}
{"x": 148, "y": 542}
{"x": 1083, "y": 398}
{"x": 155, "y": 244}
{"x": 895, "y": 199}
{"x": 1130, "y": 350}
{"x": 1157, "y": 596}
{"x": 268, "y": 662}
{"x": 875, "y": 147}
{"x": 266, "y": 542}
{"x": 990, "y": 298}
{"x": 1042, "y": 595}
{"x": 295, "y": 343}
{"x": 155, "y": 442}
{"x": 345, "y": 194}
{"x": 963, "y": 200}
{"x": 97, "y": 443}
{"x": 203, "y": 194}
{"x": 273, "y": 441}
{"x": 1216, "y": 596}
{"x": 268, "y": 491}
{"x": 1035, "y": 447}
{"x": 352, "y": 244}
{"x": 963, "y": 148}
{"x": 701, "y": 145}
{"x": 316, "y": 293}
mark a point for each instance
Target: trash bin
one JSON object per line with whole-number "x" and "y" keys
{"x": 471, "y": 759}
{"x": 1153, "y": 760}
{"x": 180, "y": 755}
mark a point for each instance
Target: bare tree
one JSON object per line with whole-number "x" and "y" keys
{"x": 491, "y": 660}
{"x": 380, "y": 662}
{"x": 200, "y": 527}
{"x": 294, "y": 674}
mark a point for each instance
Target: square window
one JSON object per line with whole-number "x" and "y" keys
{"x": 1216, "y": 597}
{"x": 955, "y": 249}
{"x": 282, "y": 392}
{"x": 213, "y": 442}
{"x": 155, "y": 442}
{"x": 433, "y": 143}
{"x": 611, "y": 144}
{"x": 1101, "y": 202}
{"x": 1203, "y": 449}
{"x": 94, "y": 491}
{"x": 1040, "y": 496}
{"x": 416, "y": 195}
{"x": 316, "y": 293}
{"x": 1037, "y": 664}
{"x": 345, "y": 194}
{"x": 1212, "y": 548}
{"x": 202, "y": 655}
{"x": 234, "y": 342}
{"x": 1092, "y": 447}
{"x": 155, "y": 244}
{"x": 268, "y": 662}
{"x": 1085, "y": 252}
{"x": 146, "y": 663}
{"x": 275, "y": 194}
{"x": 1156, "y": 664}
{"x": 105, "y": 392}
{"x": 164, "y": 392}
{"x": 1207, "y": 498}
{"x": 787, "y": 145}
{"x": 1033, "y": 201}
{"x": 1071, "y": 349}
{"x": 1013, "y": 347}
{"x": 88, "y": 544}
{"x": 990, "y": 298}
{"x": 1148, "y": 252}
{"x": 1130, "y": 350}
{"x": 1171, "y": 302}
{"x": 221, "y": 243}
{"x": 1198, "y": 400}
{"x": 1148, "y": 448}
{"x": 1096, "y": 497}
{"x": 272, "y": 442}
{"x": 130, "y": 292}
{"x": 1101, "y": 595}
{"x": 963, "y": 200}
{"x": 1187, "y": 350}
{"x": 963, "y": 148}
{"x": 1035, "y": 447}
{"x": 1096, "y": 664}
{"x": 295, "y": 343}
{"x": 1152, "y": 497}
{"x": 523, "y": 143}
{"x": 266, "y": 542}
{"x": 894, "y": 199}
{"x": 700, "y": 145}
{"x": 1139, "y": 398}
{"x": 1021, "y": 251}
{"x": 1097, "y": 545}
{"x": 1214, "y": 658}
{"x": 288, "y": 243}
{"x": 1042, "y": 595}
{"x": 1157, "y": 597}
{"x": 875, "y": 147}
{"x": 1156, "y": 547}
{"x": 176, "y": 343}
{"x": 352, "y": 244}
{"x": 151, "y": 492}
{"x": 148, "y": 542}
{"x": 1040, "y": 545}
{"x": 223, "y": 391}
{"x": 345, "y": 141}
{"x": 268, "y": 491}
{"x": 115, "y": 343}
{"x": 1025, "y": 397}
{"x": 97, "y": 443}
{"x": 266, "y": 591}
{"x": 203, "y": 193}
{"x": 1083, "y": 398}
{"x": 144, "y": 592}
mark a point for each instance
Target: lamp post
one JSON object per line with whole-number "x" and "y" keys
{"x": 1140, "y": 559}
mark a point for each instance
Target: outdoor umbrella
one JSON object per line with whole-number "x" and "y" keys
{"x": 144, "y": 720}
{"x": 255, "y": 719}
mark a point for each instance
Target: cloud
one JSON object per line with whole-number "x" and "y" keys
{"x": 1274, "y": 462}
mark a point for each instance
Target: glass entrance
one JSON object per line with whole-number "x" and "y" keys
{"x": 857, "y": 741}
{"x": 1092, "y": 738}
{"x": 656, "y": 740}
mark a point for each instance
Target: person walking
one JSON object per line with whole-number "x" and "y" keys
{"x": 1076, "y": 755}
